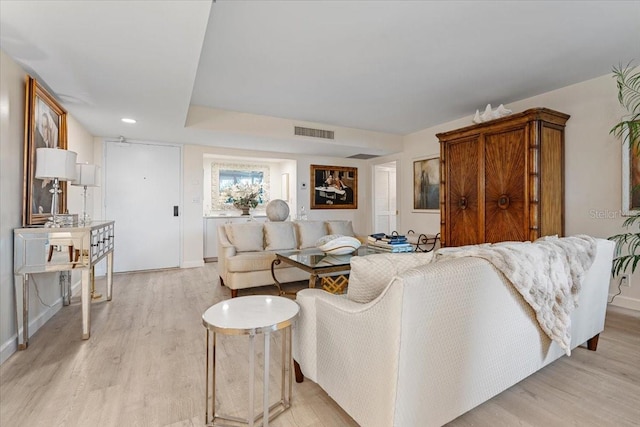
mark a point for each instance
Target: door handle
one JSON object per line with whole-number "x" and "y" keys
{"x": 175, "y": 211}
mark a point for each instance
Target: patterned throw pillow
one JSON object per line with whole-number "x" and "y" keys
{"x": 371, "y": 274}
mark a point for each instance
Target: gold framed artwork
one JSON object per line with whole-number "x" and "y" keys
{"x": 45, "y": 126}
{"x": 334, "y": 187}
{"x": 630, "y": 176}
{"x": 426, "y": 184}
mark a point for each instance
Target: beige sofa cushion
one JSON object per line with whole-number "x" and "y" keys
{"x": 309, "y": 232}
{"x": 246, "y": 237}
{"x": 279, "y": 235}
{"x": 344, "y": 228}
{"x": 370, "y": 274}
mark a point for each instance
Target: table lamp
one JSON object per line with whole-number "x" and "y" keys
{"x": 58, "y": 165}
{"x": 86, "y": 176}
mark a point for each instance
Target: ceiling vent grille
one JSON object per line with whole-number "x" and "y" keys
{"x": 314, "y": 133}
{"x": 363, "y": 156}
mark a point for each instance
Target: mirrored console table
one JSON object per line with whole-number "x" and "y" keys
{"x": 42, "y": 250}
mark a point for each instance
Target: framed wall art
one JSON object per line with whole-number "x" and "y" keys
{"x": 45, "y": 126}
{"x": 426, "y": 184}
{"x": 334, "y": 187}
{"x": 630, "y": 177}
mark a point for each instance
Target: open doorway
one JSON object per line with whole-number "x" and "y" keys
{"x": 385, "y": 213}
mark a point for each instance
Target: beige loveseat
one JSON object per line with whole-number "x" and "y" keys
{"x": 418, "y": 343}
{"x": 246, "y": 250}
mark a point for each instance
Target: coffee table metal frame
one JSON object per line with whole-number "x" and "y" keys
{"x": 337, "y": 263}
{"x": 213, "y": 328}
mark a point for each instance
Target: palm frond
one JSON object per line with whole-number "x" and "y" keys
{"x": 628, "y": 83}
{"x": 628, "y": 87}
{"x": 627, "y": 252}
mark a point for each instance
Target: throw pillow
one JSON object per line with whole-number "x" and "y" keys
{"x": 309, "y": 232}
{"x": 279, "y": 235}
{"x": 247, "y": 237}
{"x": 371, "y": 274}
{"x": 344, "y": 228}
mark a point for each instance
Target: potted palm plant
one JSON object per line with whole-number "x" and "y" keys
{"x": 627, "y": 253}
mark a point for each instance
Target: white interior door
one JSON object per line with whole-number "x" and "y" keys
{"x": 385, "y": 208}
{"x": 142, "y": 195}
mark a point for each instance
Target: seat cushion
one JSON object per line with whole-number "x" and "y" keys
{"x": 246, "y": 237}
{"x": 309, "y": 232}
{"x": 344, "y": 228}
{"x": 250, "y": 261}
{"x": 279, "y": 235}
{"x": 371, "y": 274}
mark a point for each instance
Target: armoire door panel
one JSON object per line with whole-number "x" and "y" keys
{"x": 505, "y": 186}
{"x": 462, "y": 201}
{"x": 551, "y": 166}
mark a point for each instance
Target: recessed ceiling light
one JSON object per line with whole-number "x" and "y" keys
{"x": 128, "y": 120}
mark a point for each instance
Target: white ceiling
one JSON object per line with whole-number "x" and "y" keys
{"x": 388, "y": 67}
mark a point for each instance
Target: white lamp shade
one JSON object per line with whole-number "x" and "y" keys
{"x": 86, "y": 175}
{"x": 55, "y": 163}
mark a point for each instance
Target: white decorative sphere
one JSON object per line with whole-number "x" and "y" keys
{"x": 277, "y": 210}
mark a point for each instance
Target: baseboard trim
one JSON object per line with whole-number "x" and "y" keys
{"x": 192, "y": 264}
{"x": 625, "y": 302}
{"x": 10, "y": 346}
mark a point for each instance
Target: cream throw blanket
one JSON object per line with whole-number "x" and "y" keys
{"x": 548, "y": 274}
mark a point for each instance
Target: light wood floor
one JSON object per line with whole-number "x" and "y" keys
{"x": 144, "y": 366}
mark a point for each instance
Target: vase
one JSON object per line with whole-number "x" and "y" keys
{"x": 243, "y": 208}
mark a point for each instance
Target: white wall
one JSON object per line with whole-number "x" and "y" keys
{"x": 12, "y": 94}
{"x": 593, "y": 188}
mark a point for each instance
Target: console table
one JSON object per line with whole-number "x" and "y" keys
{"x": 34, "y": 253}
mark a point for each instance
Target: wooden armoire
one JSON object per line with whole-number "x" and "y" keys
{"x": 503, "y": 179}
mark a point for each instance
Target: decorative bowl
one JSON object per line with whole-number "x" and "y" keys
{"x": 338, "y": 245}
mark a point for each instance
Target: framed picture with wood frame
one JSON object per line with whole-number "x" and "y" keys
{"x": 630, "y": 176}
{"x": 426, "y": 184}
{"x": 45, "y": 125}
{"x": 334, "y": 187}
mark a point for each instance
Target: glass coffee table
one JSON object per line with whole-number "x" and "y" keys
{"x": 318, "y": 263}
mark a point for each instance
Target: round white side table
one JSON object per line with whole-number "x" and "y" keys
{"x": 251, "y": 315}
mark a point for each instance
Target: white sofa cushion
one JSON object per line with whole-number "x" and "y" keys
{"x": 344, "y": 228}
{"x": 309, "y": 232}
{"x": 246, "y": 237}
{"x": 279, "y": 235}
{"x": 372, "y": 273}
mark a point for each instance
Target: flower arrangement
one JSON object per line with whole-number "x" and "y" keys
{"x": 244, "y": 194}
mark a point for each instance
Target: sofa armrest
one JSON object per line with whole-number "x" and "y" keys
{"x": 347, "y": 347}
{"x": 225, "y": 250}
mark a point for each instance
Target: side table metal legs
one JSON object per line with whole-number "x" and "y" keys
{"x": 212, "y": 418}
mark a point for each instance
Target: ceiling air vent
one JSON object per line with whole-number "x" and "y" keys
{"x": 315, "y": 133}
{"x": 363, "y": 156}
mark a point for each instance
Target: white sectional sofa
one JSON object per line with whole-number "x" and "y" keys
{"x": 246, "y": 250}
{"x": 432, "y": 340}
